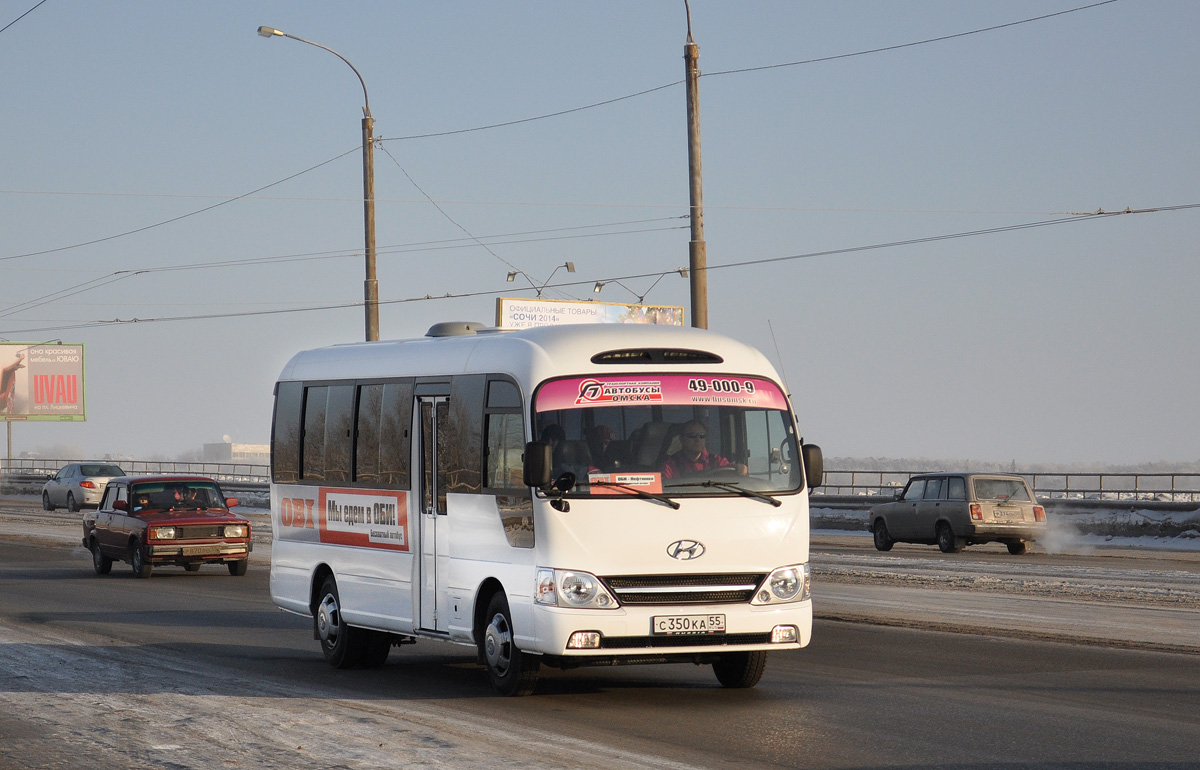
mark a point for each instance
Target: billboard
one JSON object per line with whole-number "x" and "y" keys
{"x": 40, "y": 381}
{"x": 514, "y": 313}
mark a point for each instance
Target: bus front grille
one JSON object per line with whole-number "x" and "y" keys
{"x": 653, "y": 590}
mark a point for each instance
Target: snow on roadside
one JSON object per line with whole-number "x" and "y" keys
{"x": 120, "y": 707}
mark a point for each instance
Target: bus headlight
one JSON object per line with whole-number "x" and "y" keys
{"x": 785, "y": 584}
{"x": 569, "y": 588}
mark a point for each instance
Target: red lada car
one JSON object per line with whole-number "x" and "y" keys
{"x": 165, "y": 520}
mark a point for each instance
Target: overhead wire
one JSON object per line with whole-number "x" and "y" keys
{"x": 899, "y": 46}
{"x": 1083, "y": 217}
{"x": 644, "y": 92}
{"x": 178, "y": 218}
{"x": 14, "y": 21}
{"x": 455, "y": 243}
{"x": 544, "y": 116}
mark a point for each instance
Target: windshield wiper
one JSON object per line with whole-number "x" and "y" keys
{"x": 733, "y": 486}
{"x": 636, "y": 492}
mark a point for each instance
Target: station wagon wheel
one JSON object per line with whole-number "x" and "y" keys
{"x": 238, "y": 568}
{"x": 193, "y": 567}
{"x": 72, "y": 506}
{"x": 337, "y": 639}
{"x": 137, "y": 559}
{"x": 101, "y": 563}
{"x": 511, "y": 671}
{"x": 883, "y": 541}
{"x": 946, "y": 540}
{"x": 1018, "y": 548}
{"x": 46, "y": 504}
{"x": 740, "y": 669}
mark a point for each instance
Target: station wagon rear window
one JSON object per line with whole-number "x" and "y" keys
{"x": 1004, "y": 490}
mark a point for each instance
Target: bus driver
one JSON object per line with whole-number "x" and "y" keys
{"x": 693, "y": 457}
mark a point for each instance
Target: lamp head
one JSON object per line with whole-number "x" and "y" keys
{"x": 269, "y": 32}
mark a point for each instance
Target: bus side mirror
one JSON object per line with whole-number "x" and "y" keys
{"x": 814, "y": 465}
{"x": 537, "y": 464}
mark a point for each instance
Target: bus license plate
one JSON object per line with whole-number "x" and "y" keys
{"x": 687, "y": 624}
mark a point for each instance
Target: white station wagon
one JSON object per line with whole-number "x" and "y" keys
{"x": 957, "y": 509}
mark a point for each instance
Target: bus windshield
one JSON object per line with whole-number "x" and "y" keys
{"x": 677, "y": 435}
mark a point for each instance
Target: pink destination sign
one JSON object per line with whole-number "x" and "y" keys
{"x": 671, "y": 389}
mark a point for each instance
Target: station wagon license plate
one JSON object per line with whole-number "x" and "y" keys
{"x": 687, "y": 624}
{"x": 1007, "y": 513}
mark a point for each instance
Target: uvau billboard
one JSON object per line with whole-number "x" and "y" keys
{"x": 41, "y": 382}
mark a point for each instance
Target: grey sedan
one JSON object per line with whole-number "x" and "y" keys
{"x": 78, "y": 485}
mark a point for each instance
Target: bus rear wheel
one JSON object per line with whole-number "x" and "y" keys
{"x": 338, "y": 640}
{"x": 374, "y": 649}
{"x": 511, "y": 671}
{"x": 740, "y": 669}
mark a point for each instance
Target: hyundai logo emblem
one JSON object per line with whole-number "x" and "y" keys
{"x": 685, "y": 549}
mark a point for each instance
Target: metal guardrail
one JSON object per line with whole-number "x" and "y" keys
{"x": 228, "y": 472}
{"x": 1161, "y": 487}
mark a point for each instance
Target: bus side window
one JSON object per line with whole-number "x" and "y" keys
{"x": 460, "y": 437}
{"x": 383, "y": 446}
{"x": 285, "y": 433}
{"x": 339, "y": 433}
{"x": 504, "y": 436}
{"x": 505, "y": 443}
{"x": 312, "y": 454}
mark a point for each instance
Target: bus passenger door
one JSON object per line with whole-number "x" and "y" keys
{"x": 432, "y": 416}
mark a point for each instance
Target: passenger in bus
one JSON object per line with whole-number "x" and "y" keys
{"x": 573, "y": 457}
{"x": 552, "y": 434}
{"x": 694, "y": 456}
{"x": 599, "y": 438}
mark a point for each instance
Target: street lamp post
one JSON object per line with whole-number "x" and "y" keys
{"x": 370, "y": 285}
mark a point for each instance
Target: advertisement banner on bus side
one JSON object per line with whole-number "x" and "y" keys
{"x": 359, "y": 517}
{"x": 365, "y": 518}
{"x": 671, "y": 389}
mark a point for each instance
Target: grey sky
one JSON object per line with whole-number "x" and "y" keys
{"x": 1071, "y": 342}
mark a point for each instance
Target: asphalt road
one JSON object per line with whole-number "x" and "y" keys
{"x": 199, "y": 670}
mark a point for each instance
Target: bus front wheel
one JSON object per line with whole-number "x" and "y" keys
{"x": 740, "y": 669}
{"x": 511, "y": 671}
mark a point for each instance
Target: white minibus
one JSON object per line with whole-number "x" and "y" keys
{"x": 561, "y": 496}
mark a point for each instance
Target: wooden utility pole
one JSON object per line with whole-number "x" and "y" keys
{"x": 697, "y": 258}
{"x": 370, "y": 285}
